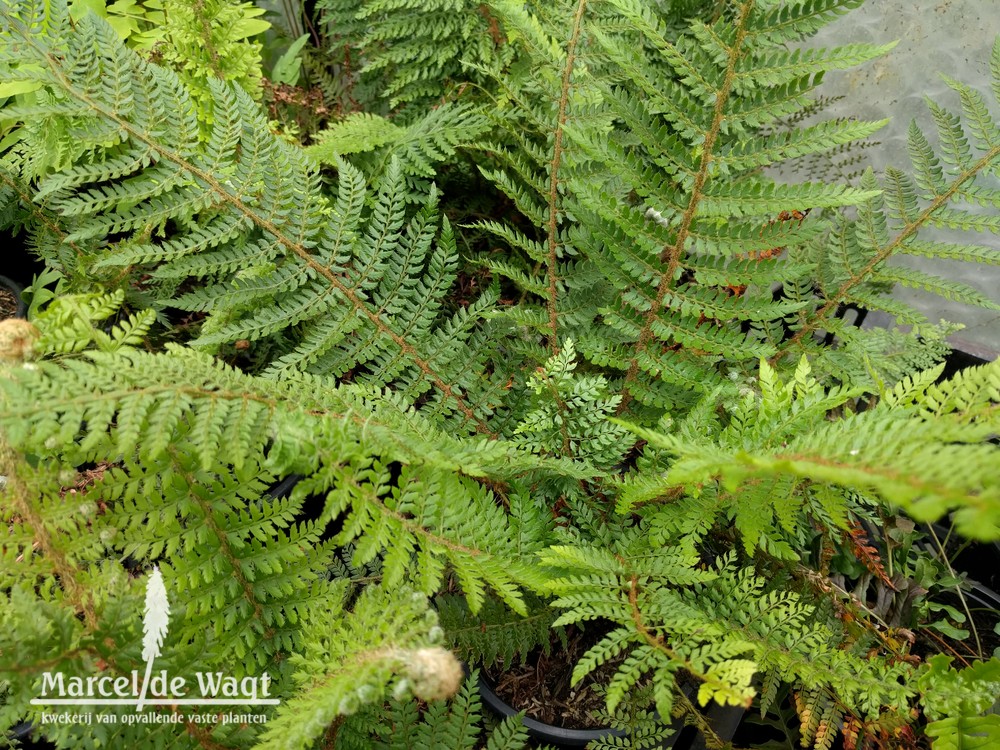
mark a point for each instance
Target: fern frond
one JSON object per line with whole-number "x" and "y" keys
{"x": 386, "y": 640}
{"x": 958, "y": 703}
{"x": 493, "y": 635}
{"x": 410, "y": 52}
{"x": 274, "y": 262}
{"x": 722, "y": 626}
{"x": 457, "y": 724}
{"x": 892, "y": 449}
{"x": 417, "y": 145}
{"x": 946, "y": 189}
{"x": 685, "y": 190}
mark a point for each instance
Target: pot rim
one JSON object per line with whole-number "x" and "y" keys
{"x": 541, "y": 730}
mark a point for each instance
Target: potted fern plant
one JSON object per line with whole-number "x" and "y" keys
{"x": 604, "y": 412}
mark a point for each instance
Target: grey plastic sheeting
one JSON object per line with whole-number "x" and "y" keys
{"x": 954, "y": 37}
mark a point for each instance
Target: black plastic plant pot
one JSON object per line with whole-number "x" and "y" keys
{"x": 980, "y": 561}
{"x": 20, "y": 732}
{"x": 23, "y": 735}
{"x": 983, "y": 596}
{"x": 284, "y": 487}
{"x": 14, "y": 288}
{"x": 553, "y": 735}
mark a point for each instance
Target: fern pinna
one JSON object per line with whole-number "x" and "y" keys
{"x": 467, "y": 478}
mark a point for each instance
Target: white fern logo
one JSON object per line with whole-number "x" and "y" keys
{"x": 214, "y": 688}
{"x": 154, "y": 627}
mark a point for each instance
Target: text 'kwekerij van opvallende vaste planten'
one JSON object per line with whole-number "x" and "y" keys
{"x": 369, "y": 339}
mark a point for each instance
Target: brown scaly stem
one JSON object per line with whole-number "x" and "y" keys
{"x": 553, "y": 197}
{"x": 712, "y": 739}
{"x": 18, "y": 496}
{"x": 908, "y": 231}
{"x": 206, "y": 38}
{"x": 697, "y": 719}
{"x": 671, "y": 255}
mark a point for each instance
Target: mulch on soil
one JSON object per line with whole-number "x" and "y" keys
{"x": 541, "y": 686}
{"x": 8, "y": 303}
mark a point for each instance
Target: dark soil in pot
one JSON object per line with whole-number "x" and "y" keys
{"x": 541, "y": 686}
{"x": 557, "y": 713}
{"x": 11, "y": 305}
{"x": 563, "y": 715}
{"x": 548, "y": 734}
{"x": 23, "y": 734}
